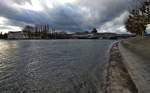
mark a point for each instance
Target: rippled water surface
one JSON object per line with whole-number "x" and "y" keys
{"x": 52, "y": 66}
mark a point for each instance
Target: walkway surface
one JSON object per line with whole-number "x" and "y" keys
{"x": 138, "y": 68}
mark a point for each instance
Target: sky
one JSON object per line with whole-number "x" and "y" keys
{"x": 65, "y": 15}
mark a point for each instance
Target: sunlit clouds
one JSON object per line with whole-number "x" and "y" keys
{"x": 5, "y": 28}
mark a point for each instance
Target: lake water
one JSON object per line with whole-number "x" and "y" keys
{"x": 52, "y": 66}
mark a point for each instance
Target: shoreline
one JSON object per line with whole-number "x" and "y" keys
{"x": 117, "y": 78}
{"x": 59, "y": 39}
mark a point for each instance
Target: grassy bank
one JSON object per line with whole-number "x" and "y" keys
{"x": 139, "y": 46}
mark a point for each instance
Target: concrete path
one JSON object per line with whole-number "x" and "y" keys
{"x": 138, "y": 68}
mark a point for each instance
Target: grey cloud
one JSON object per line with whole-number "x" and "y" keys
{"x": 116, "y": 25}
{"x": 106, "y": 10}
{"x": 70, "y": 17}
{"x": 60, "y": 17}
{"x": 4, "y": 27}
{"x": 22, "y": 1}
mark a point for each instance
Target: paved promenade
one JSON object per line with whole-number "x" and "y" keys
{"x": 138, "y": 68}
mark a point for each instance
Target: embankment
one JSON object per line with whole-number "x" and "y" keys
{"x": 118, "y": 79}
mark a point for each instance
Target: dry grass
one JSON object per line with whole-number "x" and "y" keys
{"x": 139, "y": 46}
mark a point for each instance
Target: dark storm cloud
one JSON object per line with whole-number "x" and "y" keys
{"x": 69, "y": 16}
{"x": 22, "y": 15}
{"x": 66, "y": 17}
{"x": 62, "y": 17}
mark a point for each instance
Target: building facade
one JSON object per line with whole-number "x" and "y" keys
{"x": 17, "y": 35}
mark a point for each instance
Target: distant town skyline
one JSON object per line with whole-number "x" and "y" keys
{"x": 65, "y": 15}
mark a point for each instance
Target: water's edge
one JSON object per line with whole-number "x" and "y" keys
{"x": 117, "y": 78}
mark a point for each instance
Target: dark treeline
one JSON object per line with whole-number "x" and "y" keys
{"x": 3, "y": 36}
{"x": 43, "y": 32}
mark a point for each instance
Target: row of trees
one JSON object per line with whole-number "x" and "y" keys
{"x": 44, "y": 32}
{"x": 139, "y": 18}
{"x": 40, "y": 31}
{"x": 3, "y": 36}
